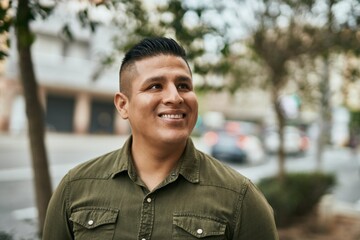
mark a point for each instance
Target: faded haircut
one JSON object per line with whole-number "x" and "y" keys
{"x": 148, "y": 47}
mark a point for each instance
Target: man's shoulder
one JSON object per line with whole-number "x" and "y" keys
{"x": 99, "y": 167}
{"x": 216, "y": 173}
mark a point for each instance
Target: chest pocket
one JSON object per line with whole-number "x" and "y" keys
{"x": 188, "y": 226}
{"x": 94, "y": 223}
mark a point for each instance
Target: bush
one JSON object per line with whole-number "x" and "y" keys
{"x": 5, "y": 236}
{"x": 296, "y": 196}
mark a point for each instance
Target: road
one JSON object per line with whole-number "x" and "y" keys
{"x": 17, "y": 212}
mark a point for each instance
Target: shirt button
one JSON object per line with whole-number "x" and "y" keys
{"x": 148, "y": 200}
{"x": 199, "y": 231}
{"x": 90, "y": 222}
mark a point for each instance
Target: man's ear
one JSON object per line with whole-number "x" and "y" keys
{"x": 121, "y": 103}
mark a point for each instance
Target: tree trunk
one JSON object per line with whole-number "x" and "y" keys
{"x": 34, "y": 112}
{"x": 324, "y": 116}
{"x": 280, "y": 123}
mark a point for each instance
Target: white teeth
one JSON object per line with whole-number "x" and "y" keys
{"x": 172, "y": 116}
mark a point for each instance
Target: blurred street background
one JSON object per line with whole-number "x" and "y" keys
{"x": 278, "y": 85}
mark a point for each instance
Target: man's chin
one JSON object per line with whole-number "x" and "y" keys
{"x": 175, "y": 138}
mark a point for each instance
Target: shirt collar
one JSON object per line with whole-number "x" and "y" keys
{"x": 123, "y": 159}
{"x": 188, "y": 167}
{"x": 189, "y": 163}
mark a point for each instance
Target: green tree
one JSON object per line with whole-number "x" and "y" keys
{"x": 276, "y": 45}
{"x": 334, "y": 38}
{"x": 287, "y": 39}
{"x": 34, "y": 110}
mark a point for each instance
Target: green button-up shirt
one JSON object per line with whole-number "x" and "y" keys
{"x": 200, "y": 199}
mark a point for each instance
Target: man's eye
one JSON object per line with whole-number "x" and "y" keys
{"x": 155, "y": 86}
{"x": 184, "y": 86}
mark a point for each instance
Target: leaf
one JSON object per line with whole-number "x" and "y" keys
{"x": 83, "y": 17}
{"x": 3, "y": 54}
{"x": 93, "y": 25}
{"x": 66, "y": 33}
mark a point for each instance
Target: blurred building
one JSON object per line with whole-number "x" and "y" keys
{"x": 251, "y": 105}
{"x": 72, "y": 99}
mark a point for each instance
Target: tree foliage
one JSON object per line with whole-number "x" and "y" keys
{"x": 5, "y": 23}
{"x": 289, "y": 40}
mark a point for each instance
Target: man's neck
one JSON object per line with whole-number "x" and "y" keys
{"x": 154, "y": 164}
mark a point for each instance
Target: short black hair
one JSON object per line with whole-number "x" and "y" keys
{"x": 151, "y": 47}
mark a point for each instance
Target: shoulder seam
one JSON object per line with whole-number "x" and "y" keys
{"x": 67, "y": 193}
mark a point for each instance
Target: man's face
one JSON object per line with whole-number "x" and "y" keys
{"x": 163, "y": 107}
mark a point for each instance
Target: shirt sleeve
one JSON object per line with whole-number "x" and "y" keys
{"x": 57, "y": 225}
{"x": 255, "y": 219}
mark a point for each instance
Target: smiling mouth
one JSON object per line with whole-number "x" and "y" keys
{"x": 172, "y": 116}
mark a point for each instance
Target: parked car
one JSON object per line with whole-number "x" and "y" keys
{"x": 236, "y": 142}
{"x": 295, "y": 141}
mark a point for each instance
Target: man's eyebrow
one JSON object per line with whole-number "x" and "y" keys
{"x": 154, "y": 79}
{"x": 179, "y": 78}
{"x": 183, "y": 78}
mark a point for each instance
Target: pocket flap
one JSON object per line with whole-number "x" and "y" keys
{"x": 200, "y": 226}
{"x": 94, "y": 217}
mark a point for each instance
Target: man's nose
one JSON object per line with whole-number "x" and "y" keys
{"x": 172, "y": 96}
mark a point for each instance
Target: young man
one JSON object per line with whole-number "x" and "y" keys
{"x": 157, "y": 186}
